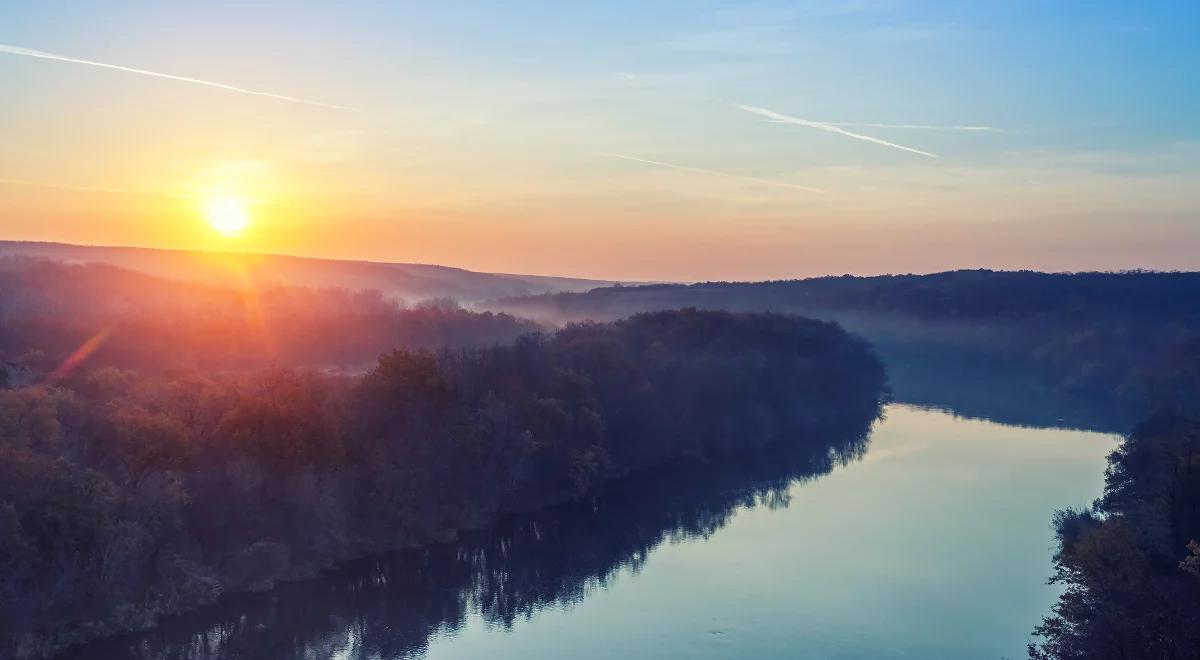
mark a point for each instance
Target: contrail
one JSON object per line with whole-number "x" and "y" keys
{"x": 699, "y": 170}
{"x": 29, "y": 52}
{"x": 100, "y": 189}
{"x": 785, "y": 119}
{"x": 918, "y": 127}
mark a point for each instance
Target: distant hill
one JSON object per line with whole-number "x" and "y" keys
{"x": 950, "y": 338}
{"x": 969, "y": 296}
{"x": 411, "y": 282}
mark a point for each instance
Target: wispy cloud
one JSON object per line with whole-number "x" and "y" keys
{"x": 918, "y": 127}
{"x": 96, "y": 189}
{"x": 29, "y": 52}
{"x": 699, "y": 170}
{"x": 832, "y": 128}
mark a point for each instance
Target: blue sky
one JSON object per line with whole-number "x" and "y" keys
{"x": 612, "y": 139}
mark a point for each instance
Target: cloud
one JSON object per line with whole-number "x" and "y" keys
{"x": 786, "y": 119}
{"x": 752, "y": 179}
{"x": 29, "y": 52}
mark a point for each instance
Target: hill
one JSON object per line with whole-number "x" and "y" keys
{"x": 949, "y": 336}
{"x": 411, "y": 282}
{"x": 961, "y": 295}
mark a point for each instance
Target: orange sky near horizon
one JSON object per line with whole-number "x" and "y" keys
{"x": 690, "y": 144}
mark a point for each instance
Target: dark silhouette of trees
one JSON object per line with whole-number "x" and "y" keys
{"x": 390, "y": 605}
{"x": 1112, "y": 347}
{"x": 1095, "y": 336}
{"x": 125, "y": 494}
{"x": 1129, "y": 564}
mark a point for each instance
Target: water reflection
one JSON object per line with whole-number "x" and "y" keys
{"x": 391, "y": 607}
{"x": 990, "y": 388}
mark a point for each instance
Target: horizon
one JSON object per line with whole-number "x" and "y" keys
{"x": 681, "y": 142}
{"x": 602, "y": 281}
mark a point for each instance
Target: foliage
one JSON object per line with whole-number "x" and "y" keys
{"x": 126, "y": 494}
{"x": 1130, "y": 565}
{"x": 392, "y": 605}
{"x": 1092, "y": 334}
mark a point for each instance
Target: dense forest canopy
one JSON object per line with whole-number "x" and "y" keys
{"x": 395, "y": 605}
{"x": 125, "y": 494}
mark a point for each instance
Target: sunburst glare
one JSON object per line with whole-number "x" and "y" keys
{"x": 229, "y": 216}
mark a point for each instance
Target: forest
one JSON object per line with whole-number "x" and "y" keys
{"x": 164, "y": 442}
{"x": 1130, "y": 564}
{"x": 393, "y": 605}
{"x": 1095, "y": 335}
{"x": 134, "y": 484}
{"x": 1119, "y": 351}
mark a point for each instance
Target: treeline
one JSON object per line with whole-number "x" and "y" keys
{"x": 127, "y": 495}
{"x": 1096, "y": 335}
{"x": 50, "y": 310}
{"x": 1131, "y": 563}
{"x": 391, "y": 606}
{"x": 960, "y": 294}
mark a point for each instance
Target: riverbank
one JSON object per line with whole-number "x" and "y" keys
{"x": 129, "y": 497}
{"x": 858, "y": 552}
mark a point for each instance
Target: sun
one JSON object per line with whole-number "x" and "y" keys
{"x": 229, "y": 216}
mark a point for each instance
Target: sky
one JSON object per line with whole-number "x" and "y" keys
{"x": 638, "y": 140}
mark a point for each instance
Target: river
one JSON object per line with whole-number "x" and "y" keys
{"x": 928, "y": 538}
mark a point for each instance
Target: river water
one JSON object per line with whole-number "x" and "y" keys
{"x": 929, "y": 538}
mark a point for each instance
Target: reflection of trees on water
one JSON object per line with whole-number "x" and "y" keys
{"x": 993, "y": 388}
{"x": 390, "y": 606}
